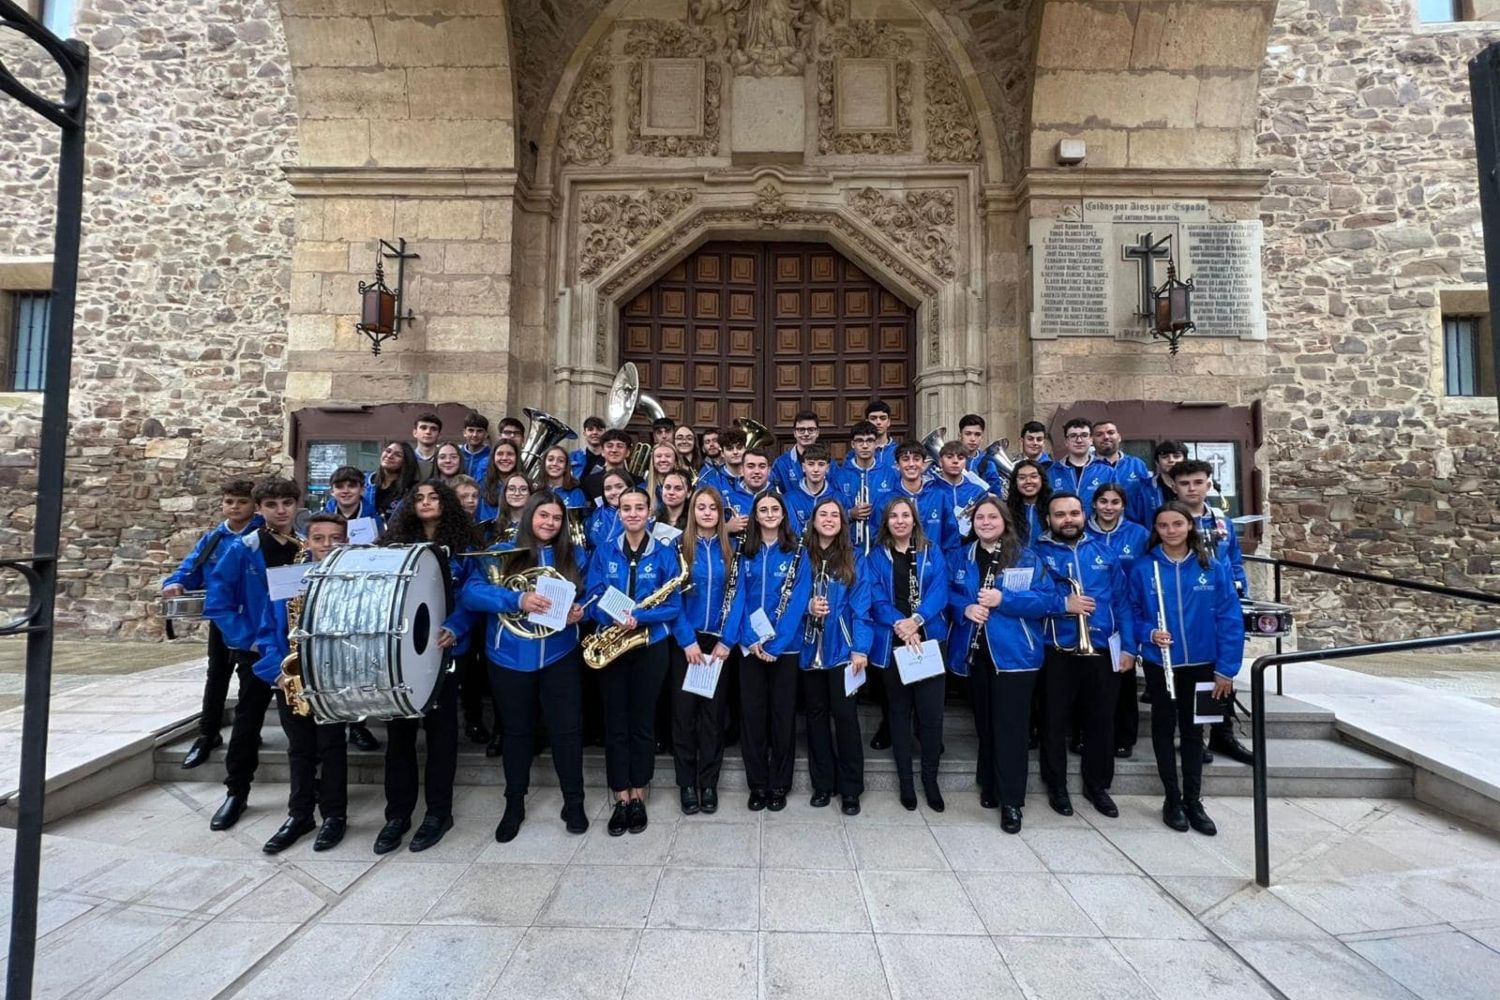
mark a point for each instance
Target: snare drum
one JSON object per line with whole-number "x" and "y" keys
{"x": 184, "y": 607}
{"x": 369, "y": 633}
{"x": 1266, "y": 620}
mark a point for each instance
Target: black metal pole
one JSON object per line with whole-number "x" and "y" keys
{"x": 1276, "y": 575}
{"x": 1484, "y": 93}
{"x": 70, "y": 116}
{"x": 1258, "y": 771}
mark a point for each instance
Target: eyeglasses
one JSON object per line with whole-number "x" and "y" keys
{"x": 804, "y": 430}
{"x": 523, "y": 490}
{"x": 1079, "y": 435}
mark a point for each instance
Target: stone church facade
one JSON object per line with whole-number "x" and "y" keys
{"x": 763, "y": 201}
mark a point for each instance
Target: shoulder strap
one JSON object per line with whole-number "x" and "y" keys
{"x": 206, "y": 553}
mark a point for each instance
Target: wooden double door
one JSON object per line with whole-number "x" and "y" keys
{"x": 764, "y": 330}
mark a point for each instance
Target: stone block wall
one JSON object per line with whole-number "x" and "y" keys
{"x": 183, "y": 293}
{"x": 1372, "y": 217}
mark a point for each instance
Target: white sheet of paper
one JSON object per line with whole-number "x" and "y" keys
{"x": 919, "y": 666}
{"x": 561, "y": 594}
{"x": 1017, "y": 578}
{"x": 362, "y": 531}
{"x": 702, "y": 679}
{"x": 963, "y": 522}
{"x": 1198, "y": 690}
{"x": 852, "y": 681}
{"x": 665, "y": 533}
{"x": 285, "y": 582}
{"x": 1115, "y": 649}
{"x": 615, "y": 604}
{"x": 761, "y": 623}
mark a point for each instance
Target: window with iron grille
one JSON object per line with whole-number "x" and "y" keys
{"x": 30, "y": 312}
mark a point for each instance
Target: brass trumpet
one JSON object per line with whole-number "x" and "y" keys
{"x": 1085, "y": 644}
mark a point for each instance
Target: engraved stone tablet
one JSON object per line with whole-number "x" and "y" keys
{"x": 672, "y": 97}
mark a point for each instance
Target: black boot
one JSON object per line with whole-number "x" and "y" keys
{"x": 1197, "y": 818}
{"x": 1173, "y": 816}
{"x": 510, "y": 822}
{"x": 1221, "y": 740}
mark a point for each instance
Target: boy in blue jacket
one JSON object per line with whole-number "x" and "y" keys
{"x": 238, "y": 510}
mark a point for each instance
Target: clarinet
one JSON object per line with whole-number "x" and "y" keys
{"x": 789, "y": 582}
{"x": 988, "y": 581}
{"x": 731, "y": 584}
{"x": 914, "y": 587}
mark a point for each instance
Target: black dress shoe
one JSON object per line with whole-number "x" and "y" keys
{"x": 1010, "y": 819}
{"x": 293, "y": 830}
{"x": 330, "y": 834}
{"x": 758, "y": 799}
{"x": 574, "y": 818}
{"x": 619, "y": 819}
{"x": 849, "y": 805}
{"x": 199, "y": 751}
{"x": 229, "y": 812}
{"x": 430, "y": 832}
{"x": 1060, "y": 802}
{"x": 1173, "y": 816}
{"x": 511, "y": 820}
{"x": 493, "y": 747}
{"x": 777, "y": 802}
{"x": 882, "y": 738}
{"x": 689, "y": 796}
{"x": 475, "y": 732}
{"x": 909, "y": 799}
{"x": 389, "y": 837}
{"x": 708, "y": 800}
{"x": 1102, "y": 802}
{"x": 934, "y": 796}
{"x": 1124, "y": 753}
{"x": 819, "y": 799}
{"x": 635, "y": 816}
{"x": 1198, "y": 819}
{"x": 988, "y": 799}
{"x": 360, "y": 737}
{"x": 1227, "y": 744}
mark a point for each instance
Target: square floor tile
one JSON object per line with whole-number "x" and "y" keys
{"x": 895, "y": 848}
{"x": 338, "y": 957}
{"x": 934, "y": 967}
{"x": 1320, "y": 970}
{"x": 694, "y": 965}
{"x": 395, "y": 892}
{"x": 985, "y": 849}
{"x": 1193, "y": 970}
{"x": 806, "y": 966}
{"x": 1070, "y": 850}
{"x": 496, "y": 895}
{"x": 805, "y": 845}
{"x": 707, "y": 899}
{"x": 919, "y": 902}
{"x": 1450, "y": 965}
{"x": 822, "y": 901}
{"x": 602, "y": 896}
{"x": 1130, "y": 906}
{"x": 1024, "y": 903}
{"x": 716, "y": 844}
{"x": 1061, "y": 968}
{"x": 443, "y": 963}
{"x": 568, "y": 963}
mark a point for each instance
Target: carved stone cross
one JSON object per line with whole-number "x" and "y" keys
{"x": 1144, "y": 253}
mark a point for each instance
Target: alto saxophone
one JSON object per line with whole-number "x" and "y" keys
{"x": 613, "y": 641}
{"x": 291, "y": 664}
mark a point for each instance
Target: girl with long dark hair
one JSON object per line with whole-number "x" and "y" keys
{"x": 447, "y": 462}
{"x": 392, "y": 479}
{"x": 604, "y": 524}
{"x": 505, "y": 458}
{"x": 1026, "y": 496}
{"x": 672, "y": 508}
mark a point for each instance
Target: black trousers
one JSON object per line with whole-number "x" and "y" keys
{"x": 441, "y": 725}
{"x": 697, "y": 723}
{"x": 768, "y": 729}
{"x": 1127, "y": 709}
{"x": 317, "y": 756}
{"x": 1089, "y": 683}
{"x": 473, "y": 684}
{"x": 1002, "y": 711}
{"x": 1177, "y": 714}
{"x": 924, "y": 701}
{"x": 243, "y": 755}
{"x": 630, "y": 686}
{"x": 216, "y": 685}
{"x": 835, "y": 752}
{"x": 558, "y": 688}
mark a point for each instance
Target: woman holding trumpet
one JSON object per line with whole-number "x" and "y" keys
{"x": 528, "y": 664}
{"x": 1185, "y": 604}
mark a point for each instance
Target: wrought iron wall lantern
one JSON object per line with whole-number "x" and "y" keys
{"x": 380, "y": 316}
{"x": 1168, "y": 306}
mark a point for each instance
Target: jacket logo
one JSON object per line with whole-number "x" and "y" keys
{"x": 1203, "y": 578}
{"x": 614, "y": 567}
{"x": 1098, "y": 560}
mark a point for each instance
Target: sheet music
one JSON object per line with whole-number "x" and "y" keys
{"x": 561, "y": 594}
{"x": 615, "y": 604}
{"x": 285, "y": 582}
{"x": 1115, "y": 649}
{"x": 852, "y": 681}
{"x": 702, "y": 679}
{"x": 1017, "y": 578}
{"x": 761, "y": 623}
{"x": 927, "y": 662}
{"x": 665, "y": 533}
{"x": 362, "y": 531}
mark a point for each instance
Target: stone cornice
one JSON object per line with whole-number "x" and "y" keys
{"x": 413, "y": 182}
{"x": 1217, "y": 185}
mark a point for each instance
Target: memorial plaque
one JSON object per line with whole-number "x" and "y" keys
{"x": 1070, "y": 283}
{"x": 1225, "y": 268}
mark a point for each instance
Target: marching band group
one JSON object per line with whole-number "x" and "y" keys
{"x": 718, "y": 586}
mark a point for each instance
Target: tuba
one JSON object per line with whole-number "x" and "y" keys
{"x": 544, "y": 432}
{"x": 996, "y": 455}
{"x": 625, "y": 398}
{"x": 933, "y": 444}
{"x": 757, "y": 434}
{"x": 612, "y": 642}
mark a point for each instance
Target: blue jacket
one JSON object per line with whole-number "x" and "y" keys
{"x": 237, "y": 596}
{"x": 461, "y": 621}
{"x": 786, "y": 471}
{"x": 1142, "y": 500}
{"x": 658, "y": 563}
{"x": 985, "y": 469}
{"x": 572, "y": 499}
{"x": 482, "y": 596}
{"x": 761, "y": 579}
{"x": 271, "y": 642}
{"x": 195, "y": 567}
{"x": 846, "y": 628}
{"x": 958, "y": 497}
{"x": 713, "y": 474}
{"x": 740, "y": 499}
{"x": 603, "y": 526}
{"x": 1014, "y": 630}
{"x": 368, "y": 502}
{"x": 934, "y": 504}
{"x": 1127, "y": 541}
{"x": 1202, "y": 611}
{"x": 1090, "y": 562}
{"x": 932, "y": 599}
{"x": 1066, "y": 478}
{"x": 475, "y": 461}
{"x": 875, "y": 482}
{"x": 800, "y": 504}
{"x": 366, "y": 508}
{"x": 1219, "y": 531}
{"x": 1033, "y": 527}
{"x": 1128, "y": 470}
{"x": 703, "y": 600}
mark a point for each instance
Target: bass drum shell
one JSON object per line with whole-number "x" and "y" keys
{"x": 369, "y": 632}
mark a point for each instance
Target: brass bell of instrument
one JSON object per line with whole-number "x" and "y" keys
{"x": 544, "y": 431}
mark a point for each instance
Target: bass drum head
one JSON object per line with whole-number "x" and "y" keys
{"x": 422, "y": 606}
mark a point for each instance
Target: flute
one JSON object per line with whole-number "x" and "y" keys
{"x": 1161, "y": 626}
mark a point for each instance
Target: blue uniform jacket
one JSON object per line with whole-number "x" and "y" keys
{"x": 703, "y": 600}
{"x": 1127, "y": 541}
{"x": 384, "y": 516}
{"x": 1014, "y": 630}
{"x": 983, "y": 467}
{"x": 1090, "y": 562}
{"x": 1033, "y": 527}
{"x": 850, "y": 480}
{"x": 603, "y": 526}
{"x": 1128, "y": 471}
{"x": 713, "y": 474}
{"x": 938, "y": 521}
{"x": 786, "y": 471}
{"x": 236, "y": 592}
{"x": 932, "y": 599}
{"x": 1066, "y": 478}
{"x": 800, "y": 504}
{"x": 1142, "y": 500}
{"x": 572, "y": 499}
{"x": 741, "y": 499}
{"x": 958, "y": 497}
{"x": 195, "y": 567}
{"x": 761, "y": 578}
{"x": 658, "y": 563}
{"x": 846, "y": 628}
{"x": 502, "y": 647}
{"x": 1218, "y": 531}
{"x": 475, "y": 461}
{"x": 271, "y": 642}
{"x": 366, "y": 508}
{"x": 1202, "y": 611}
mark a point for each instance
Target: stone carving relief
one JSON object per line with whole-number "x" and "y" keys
{"x": 611, "y": 224}
{"x": 864, "y": 40}
{"x": 655, "y": 39}
{"x": 588, "y": 123}
{"x": 770, "y": 206}
{"x": 952, "y": 136}
{"x": 923, "y": 224}
{"x": 767, "y": 37}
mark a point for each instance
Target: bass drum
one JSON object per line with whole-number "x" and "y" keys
{"x": 369, "y": 632}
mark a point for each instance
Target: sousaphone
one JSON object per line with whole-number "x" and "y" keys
{"x": 624, "y": 400}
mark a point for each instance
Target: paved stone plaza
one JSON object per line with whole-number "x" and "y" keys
{"x": 1373, "y": 899}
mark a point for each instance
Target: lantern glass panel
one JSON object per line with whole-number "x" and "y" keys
{"x": 378, "y": 310}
